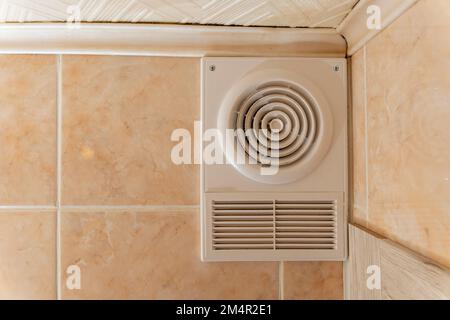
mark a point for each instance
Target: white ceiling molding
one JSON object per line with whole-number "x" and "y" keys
{"x": 293, "y": 13}
{"x": 169, "y": 40}
{"x": 354, "y": 27}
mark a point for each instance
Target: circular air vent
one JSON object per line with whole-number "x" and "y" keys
{"x": 280, "y": 120}
{"x": 276, "y": 124}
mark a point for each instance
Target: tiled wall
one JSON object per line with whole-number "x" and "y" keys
{"x": 86, "y": 179}
{"x": 401, "y": 135}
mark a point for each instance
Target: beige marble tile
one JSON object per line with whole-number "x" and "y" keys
{"x": 359, "y": 138}
{"x": 27, "y": 255}
{"x": 27, "y": 129}
{"x": 313, "y": 281}
{"x": 154, "y": 255}
{"x": 119, "y": 113}
{"x": 408, "y": 74}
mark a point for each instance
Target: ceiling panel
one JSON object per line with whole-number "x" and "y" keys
{"x": 286, "y": 13}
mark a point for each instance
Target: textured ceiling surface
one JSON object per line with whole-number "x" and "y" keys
{"x": 289, "y": 13}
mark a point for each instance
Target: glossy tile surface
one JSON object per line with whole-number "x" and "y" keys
{"x": 27, "y": 129}
{"x": 313, "y": 281}
{"x": 27, "y": 255}
{"x": 154, "y": 255}
{"x": 119, "y": 114}
{"x": 408, "y": 108}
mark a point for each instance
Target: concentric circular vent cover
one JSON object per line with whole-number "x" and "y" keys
{"x": 282, "y": 126}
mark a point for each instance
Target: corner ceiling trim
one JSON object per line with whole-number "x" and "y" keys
{"x": 169, "y": 40}
{"x": 354, "y": 27}
{"x": 292, "y": 13}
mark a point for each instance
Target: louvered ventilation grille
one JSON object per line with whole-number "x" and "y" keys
{"x": 276, "y": 225}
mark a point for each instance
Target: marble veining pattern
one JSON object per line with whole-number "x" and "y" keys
{"x": 129, "y": 217}
{"x": 408, "y": 159}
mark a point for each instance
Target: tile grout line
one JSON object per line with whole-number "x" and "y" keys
{"x": 26, "y": 207}
{"x": 366, "y": 132}
{"x": 281, "y": 280}
{"x": 58, "y": 173}
{"x": 141, "y": 208}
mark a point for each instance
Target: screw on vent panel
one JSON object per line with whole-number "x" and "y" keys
{"x": 281, "y": 126}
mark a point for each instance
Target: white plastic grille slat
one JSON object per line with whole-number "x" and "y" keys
{"x": 232, "y": 212}
{"x": 242, "y": 230}
{"x": 274, "y": 225}
{"x": 242, "y": 235}
{"x": 304, "y": 229}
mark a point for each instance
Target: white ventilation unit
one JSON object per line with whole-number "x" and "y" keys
{"x": 278, "y": 125}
